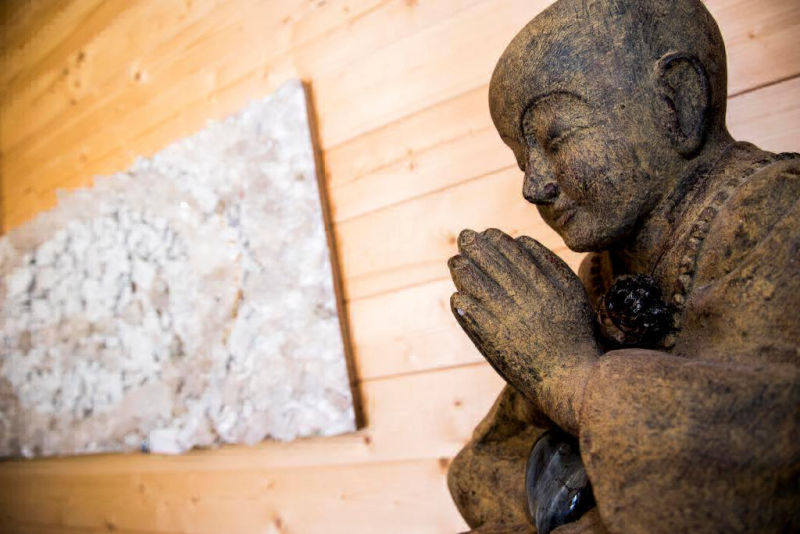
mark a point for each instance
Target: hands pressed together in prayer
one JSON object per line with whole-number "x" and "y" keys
{"x": 530, "y": 317}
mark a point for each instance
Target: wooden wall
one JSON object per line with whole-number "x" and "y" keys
{"x": 411, "y": 158}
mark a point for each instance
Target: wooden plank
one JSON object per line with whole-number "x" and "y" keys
{"x": 421, "y": 70}
{"x": 472, "y": 155}
{"x": 426, "y": 71}
{"x": 60, "y": 68}
{"x": 27, "y": 527}
{"x": 207, "y": 72}
{"x": 373, "y": 476}
{"x": 33, "y": 28}
{"x": 409, "y": 496}
{"x": 419, "y": 132}
{"x": 769, "y": 117}
{"x": 358, "y": 95}
{"x": 409, "y": 330}
{"x": 758, "y": 37}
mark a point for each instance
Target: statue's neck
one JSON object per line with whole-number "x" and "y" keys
{"x": 657, "y": 233}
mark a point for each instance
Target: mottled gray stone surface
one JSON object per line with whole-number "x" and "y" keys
{"x": 186, "y": 302}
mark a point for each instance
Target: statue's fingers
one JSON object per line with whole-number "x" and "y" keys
{"x": 526, "y": 265}
{"x": 480, "y": 251}
{"x": 470, "y": 280}
{"x": 549, "y": 263}
{"x": 488, "y": 334}
{"x": 480, "y": 324}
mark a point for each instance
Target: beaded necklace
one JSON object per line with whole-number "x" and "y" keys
{"x": 687, "y": 266}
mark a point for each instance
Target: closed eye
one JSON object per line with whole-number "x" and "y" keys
{"x": 553, "y": 143}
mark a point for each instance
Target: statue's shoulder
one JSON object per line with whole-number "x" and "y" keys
{"x": 743, "y": 303}
{"x": 759, "y": 218}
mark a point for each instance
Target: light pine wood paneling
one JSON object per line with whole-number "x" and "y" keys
{"x": 157, "y": 70}
{"x": 769, "y": 117}
{"x": 391, "y": 473}
{"x": 410, "y": 158}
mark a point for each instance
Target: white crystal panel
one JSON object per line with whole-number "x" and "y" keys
{"x": 186, "y": 302}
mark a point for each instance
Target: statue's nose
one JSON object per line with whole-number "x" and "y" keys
{"x": 539, "y": 186}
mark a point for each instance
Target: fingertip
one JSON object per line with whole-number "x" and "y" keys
{"x": 457, "y": 305}
{"x": 466, "y": 237}
{"x": 493, "y": 233}
{"x": 524, "y": 239}
{"x": 532, "y": 246}
{"x": 452, "y": 263}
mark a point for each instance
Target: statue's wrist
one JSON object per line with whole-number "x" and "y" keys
{"x": 564, "y": 388}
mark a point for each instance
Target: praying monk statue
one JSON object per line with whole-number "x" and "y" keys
{"x": 659, "y": 390}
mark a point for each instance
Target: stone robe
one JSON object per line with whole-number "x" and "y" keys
{"x": 704, "y": 435}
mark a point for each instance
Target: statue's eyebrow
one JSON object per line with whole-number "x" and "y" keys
{"x": 538, "y": 99}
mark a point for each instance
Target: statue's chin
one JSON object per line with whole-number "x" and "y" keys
{"x": 578, "y": 234}
{"x": 588, "y": 236}
{"x": 585, "y": 243}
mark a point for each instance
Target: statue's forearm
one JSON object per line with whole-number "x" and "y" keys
{"x": 653, "y": 424}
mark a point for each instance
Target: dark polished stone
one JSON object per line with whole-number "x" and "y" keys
{"x": 558, "y": 489}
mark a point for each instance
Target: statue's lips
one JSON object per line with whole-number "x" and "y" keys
{"x": 559, "y": 218}
{"x": 565, "y": 217}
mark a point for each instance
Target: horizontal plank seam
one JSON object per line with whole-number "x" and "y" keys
{"x": 431, "y": 370}
{"x": 253, "y": 467}
{"x": 82, "y": 528}
{"x": 425, "y": 194}
{"x": 763, "y": 85}
{"x": 410, "y": 116}
{"x": 420, "y": 151}
{"x": 396, "y": 289}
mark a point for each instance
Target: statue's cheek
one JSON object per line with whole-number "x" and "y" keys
{"x": 582, "y": 168}
{"x": 577, "y": 179}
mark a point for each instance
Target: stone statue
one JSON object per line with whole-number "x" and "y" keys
{"x": 663, "y": 383}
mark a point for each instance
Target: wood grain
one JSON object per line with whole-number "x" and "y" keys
{"x": 157, "y": 70}
{"x": 383, "y": 471}
{"x": 410, "y": 157}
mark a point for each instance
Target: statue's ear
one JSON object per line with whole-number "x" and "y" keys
{"x": 683, "y": 103}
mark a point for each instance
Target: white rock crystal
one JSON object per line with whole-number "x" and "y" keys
{"x": 186, "y": 302}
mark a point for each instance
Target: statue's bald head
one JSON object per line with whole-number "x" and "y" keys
{"x": 614, "y": 43}
{"x": 609, "y": 106}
